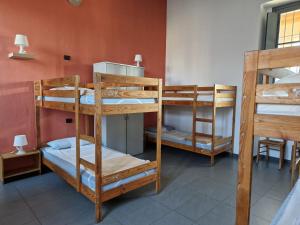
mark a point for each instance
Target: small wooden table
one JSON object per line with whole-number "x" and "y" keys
{"x": 271, "y": 145}
{"x": 12, "y": 165}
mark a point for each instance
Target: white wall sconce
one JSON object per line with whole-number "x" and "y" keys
{"x": 21, "y": 40}
{"x": 138, "y": 59}
{"x": 75, "y": 2}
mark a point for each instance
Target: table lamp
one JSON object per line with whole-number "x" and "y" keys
{"x": 19, "y": 142}
{"x": 138, "y": 59}
{"x": 21, "y": 41}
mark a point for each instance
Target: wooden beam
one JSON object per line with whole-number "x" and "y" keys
{"x": 87, "y": 164}
{"x": 246, "y": 139}
{"x": 158, "y": 135}
{"x": 276, "y": 126}
{"x": 279, "y": 58}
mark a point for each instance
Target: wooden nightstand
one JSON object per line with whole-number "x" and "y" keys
{"x": 12, "y": 165}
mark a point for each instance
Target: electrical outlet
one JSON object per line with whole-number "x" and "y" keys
{"x": 67, "y": 57}
{"x": 69, "y": 120}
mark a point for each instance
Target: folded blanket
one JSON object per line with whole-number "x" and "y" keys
{"x": 114, "y": 165}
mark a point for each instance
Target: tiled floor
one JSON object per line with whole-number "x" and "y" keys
{"x": 192, "y": 194}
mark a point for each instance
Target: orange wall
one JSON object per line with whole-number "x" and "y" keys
{"x": 98, "y": 30}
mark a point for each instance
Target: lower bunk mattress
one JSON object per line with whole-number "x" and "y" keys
{"x": 184, "y": 138}
{"x": 288, "y": 214}
{"x": 112, "y": 162}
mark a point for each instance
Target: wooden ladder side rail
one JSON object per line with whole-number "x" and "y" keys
{"x": 98, "y": 149}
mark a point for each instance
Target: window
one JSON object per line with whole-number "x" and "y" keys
{"x": 289, "y": 29}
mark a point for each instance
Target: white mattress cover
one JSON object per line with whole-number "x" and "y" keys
{"x": 202, "y": 98}
{"x": 180, "y": 140}
{"x": 90, "y": 100}
{"x": 276, "y": 109}
{"x": 87, "y": 152}
{"x": 288, "y": 213}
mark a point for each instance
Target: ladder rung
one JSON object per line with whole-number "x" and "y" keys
{"x": 204, "y": 120}
{"x": 87, "y": 164}
{"x": 87, "y": 138}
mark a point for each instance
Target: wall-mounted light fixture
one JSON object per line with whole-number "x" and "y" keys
{"x": 75, "y": 2}
{"x": 138, "y": 59}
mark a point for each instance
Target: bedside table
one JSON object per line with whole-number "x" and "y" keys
{"x": 12, "y": 165}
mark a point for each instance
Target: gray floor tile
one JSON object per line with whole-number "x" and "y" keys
{"x": 213, "y": 219}
{"x": 266, "y": 208}
{"x": 192, "y": 192}
{"x": 173, "y": 218}
{"x": 197, "y": 207}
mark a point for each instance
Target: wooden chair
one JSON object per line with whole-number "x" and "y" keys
{"x": 295, "y": 162}
{"x": 266, "y": 145}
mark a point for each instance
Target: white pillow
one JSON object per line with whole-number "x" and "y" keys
{"x": 72, "y": 141}
{"x": 67, "y": 88}
{"x": 60, "y": 144}
{"x": 289, "y": 80}
{"x": 64, "y": 143}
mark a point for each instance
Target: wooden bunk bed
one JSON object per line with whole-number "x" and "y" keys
{"x": 215, "y": 97}
{"x": 254, "y": 123}
{"x": 106, "y": 87}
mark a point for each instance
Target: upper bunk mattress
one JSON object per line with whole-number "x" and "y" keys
{"x": 90, "y": 100}
{"x": 288, "y": 214}
{"x": 276, "y": 109}
{"x": 111, "y": 163}
{"x": 201, "y": 98}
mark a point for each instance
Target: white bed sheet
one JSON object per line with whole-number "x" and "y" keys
{"x": 276, "y": 109}
{"x": 90, "y": 100}
{"x": 66, "y": 160}
{"x": 170, "y": 137}
{"x": 202, "y": 98}
{"x": 288, "y": 213}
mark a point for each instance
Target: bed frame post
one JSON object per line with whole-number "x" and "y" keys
{"x": 98, "y": 149}
{"x": 158, "y": 135}
{"x": 246, "y": 139}
{"x": 77, "y": 124}
{"x": 213, "y": 128}
{"x": 38, "y": 92}
{"x": 233, "y": 122}
{"x": 194, "y": 111}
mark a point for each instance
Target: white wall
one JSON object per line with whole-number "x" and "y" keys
{"x": 206, "y": 41}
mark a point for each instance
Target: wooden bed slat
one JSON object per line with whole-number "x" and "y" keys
{"x": 59, "y": 93}
{"x": 225, "y": 95}
{"x": 179, "y": 88}
{"x": 128, "y": 94}
{"x": 107, "y": 195}
{"x": 275, "y": 126}
{"x": 220, "y": 87}
{"x": 87, "y": 138}
{"x": 117, "y": 80}
{"x": 87, "y": 164}
{"x": 205, "y": 120}
{"x": 128, "y": 173}
{"x": 179, "y": 95}
{"x": 61, "y": 82}
{"x": 279, "y": 58}
{"x": 129, "y": 108}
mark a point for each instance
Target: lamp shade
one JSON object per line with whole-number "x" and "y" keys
{"x": 20, "y": 140}
{"x": 21, "y": 40}
{"x": 138, "y": 58}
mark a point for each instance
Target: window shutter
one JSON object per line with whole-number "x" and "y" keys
{"x": 272, "y": 30}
